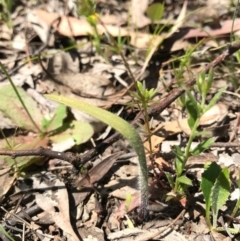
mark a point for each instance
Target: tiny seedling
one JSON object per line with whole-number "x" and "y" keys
{"x": 128, "y": 203}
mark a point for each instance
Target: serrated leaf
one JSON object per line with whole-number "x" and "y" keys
{"x": 12, "y": 108}
{"x": 78, "y": 130}
{"x": 202, "y": 146}
{"x": 56, "y": 120}
{"x": 185, "y": 180}
{"x": 209, "y": 177}
{"x": 220, "y": 193}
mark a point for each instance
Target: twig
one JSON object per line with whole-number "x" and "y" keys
{"x": 153, "y": 235}
{"x": 66, "y": 156}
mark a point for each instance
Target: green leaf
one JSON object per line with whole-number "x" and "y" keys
{"x": 155, "y": 11}
{"x": 12, "y": 108}
{"x": 209, "y": 82}
{"x": 191, "y": 122}
{"x": 200, "y": 80}
{"x": 185, "y": 180}
{"x": 3, "y": 231}
{"x": 122, "y": 127}
{"x": 78, "y": 130}
{"x": 202, "y": 146}
{"x": 192, "y": 109}
{"x": 55, "y": 121}
{"x": 170, "y": 179}
{"x": 209, "y": 177}
{"x": 220, "y": 193}
{"x": 179, "y": 164}
{"x": 215, "y": 98}
{"x": 128, "y": 202}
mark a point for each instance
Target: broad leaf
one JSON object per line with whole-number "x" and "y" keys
{"x": 155, "y": 11}
{"x": 78, "y": 130}
{"x": 12, "y": 108}
{"x": 220, "y": 193}
{"x": 55, "y": 120}
{"x": 208, "y": 179}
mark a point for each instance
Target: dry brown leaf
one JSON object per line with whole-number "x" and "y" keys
{"x": 55, "y": 202}
{"x": 70, "y": 26}
{"x": 98, "y": 171}
{"x": 6, "y": 180}
{"x": 226, "y": 27}
{"x": 164, "y": 130}
{"x": 85, "y": 84}
{"x": 160, "y": 161}
{"x": 183, "y": 125}
{"x": 137, "y": 10}
{"x": 216, "y": 114}
{"x": 135, "y": 201}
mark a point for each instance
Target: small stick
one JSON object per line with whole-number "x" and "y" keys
{"x": 66, "y": 156}
{"x": 153, "y": 235}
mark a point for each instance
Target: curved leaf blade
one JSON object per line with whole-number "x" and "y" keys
{"x": 124, "y": 128}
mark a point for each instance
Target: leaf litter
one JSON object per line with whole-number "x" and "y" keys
{"x": 100, "y": 209}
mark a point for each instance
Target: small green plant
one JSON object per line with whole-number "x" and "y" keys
{"x": 195, "y": 109}
{"x": 142, "y": 98}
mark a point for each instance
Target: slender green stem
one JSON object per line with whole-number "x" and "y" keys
{"x": 208, "y": 220}
{"x": 191, "y": 137}
{"x": 237, "y": 206}
{"x": 19, "y": 97}
{"x": 187, "y": 151}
